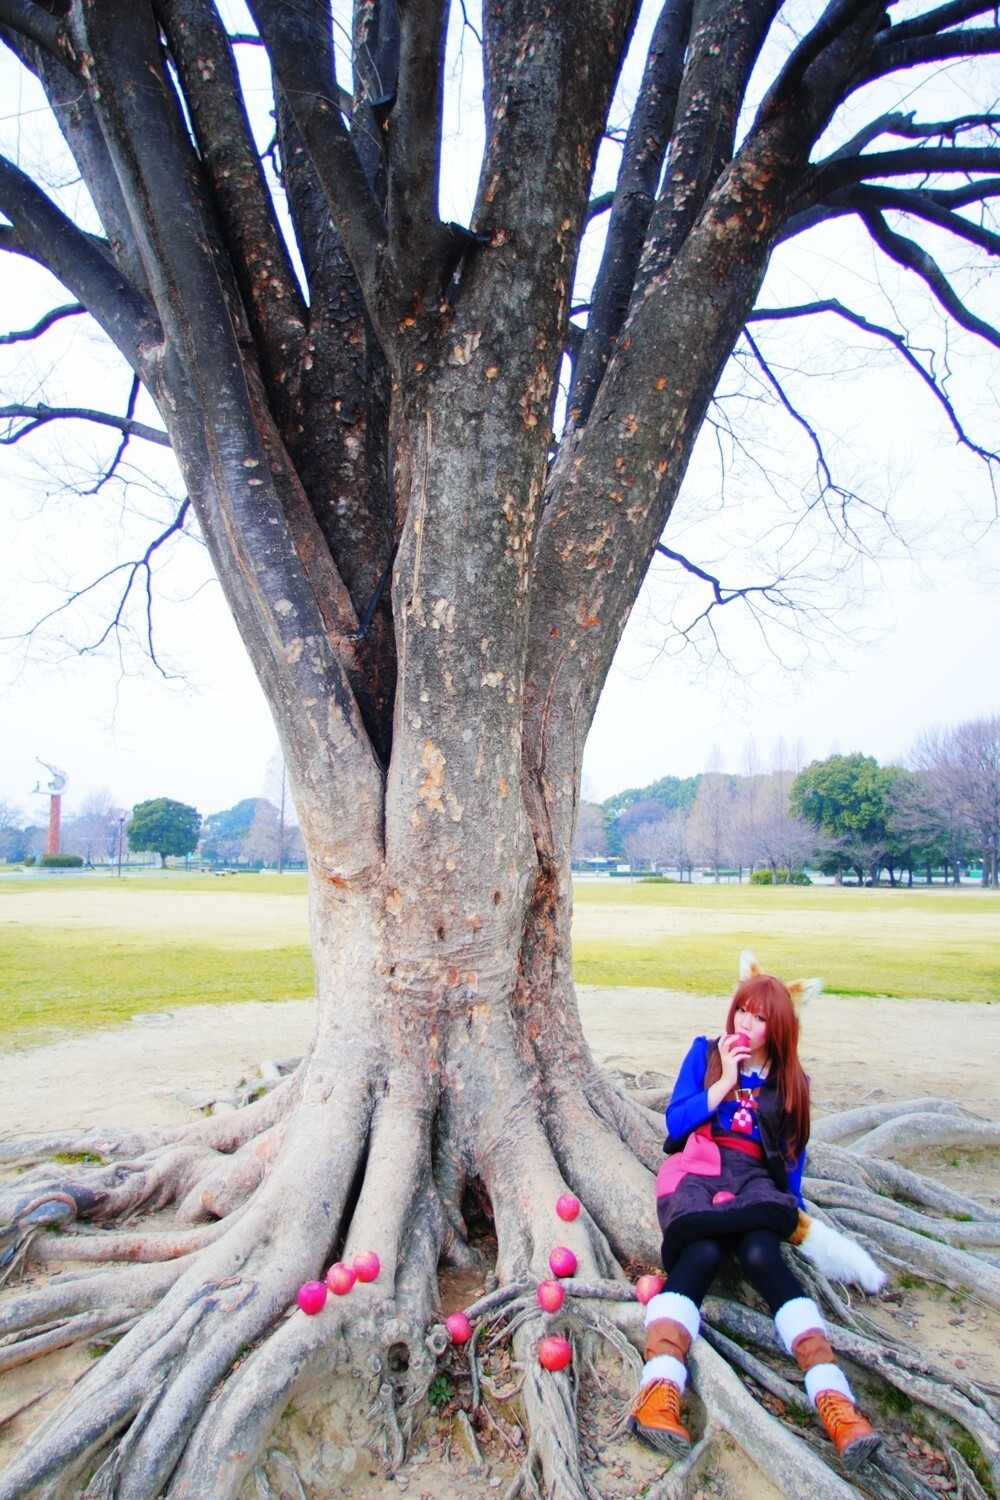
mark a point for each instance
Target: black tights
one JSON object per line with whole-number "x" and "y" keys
{"x": 760, "y": 1256}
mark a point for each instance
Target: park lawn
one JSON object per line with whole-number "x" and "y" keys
{"x": 932, "y": 944}
{"x": 83, "y": 953}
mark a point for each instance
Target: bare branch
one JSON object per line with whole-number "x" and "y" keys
{"x": 24, "y": 335}
{"x": 918, "y": 161}
{"x": 946, "y": 16}
{"x": 892, "y": 56}
{"x": 39, "y": 416}
{"x": 133, "y": 397}
{"x": 136, "y": 568}
{"x": 921, "y": 205}
{"x": 907, "y": 253}
{"x": 890, "y": 336}
{"x": 835, "y": 21}
{"x": 44, "y": 233}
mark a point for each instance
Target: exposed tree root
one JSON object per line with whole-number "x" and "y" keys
{"x": 206, "y": 1355}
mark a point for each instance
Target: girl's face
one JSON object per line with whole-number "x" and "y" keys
{"x": 755, "y": 1028}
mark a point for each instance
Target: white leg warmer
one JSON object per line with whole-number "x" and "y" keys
{"x": 827, "y": 1378}
{"x": 678, "y": 1308}
{"x": 794, "y": 1318}
{"x": 664, "y": 1367}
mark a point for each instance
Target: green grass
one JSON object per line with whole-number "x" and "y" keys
{"x": 929, "y": 944}
{"x": 82, "y": 953}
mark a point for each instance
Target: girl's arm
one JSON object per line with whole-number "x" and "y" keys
{"x": 689, "y": 1106}
{"x": 795, "y": 1177}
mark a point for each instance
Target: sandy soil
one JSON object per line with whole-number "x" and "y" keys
{"x": 854, "y": 1049}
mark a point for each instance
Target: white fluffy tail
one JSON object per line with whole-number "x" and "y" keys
{"x": 841, "y": 1258}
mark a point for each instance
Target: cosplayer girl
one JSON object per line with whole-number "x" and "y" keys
{"x": 737, "y": 1127}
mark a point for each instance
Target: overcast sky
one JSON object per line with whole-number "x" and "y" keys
{"x": 902, "y": 635}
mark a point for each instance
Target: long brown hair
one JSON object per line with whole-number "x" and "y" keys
{"x": 767, "y": 997}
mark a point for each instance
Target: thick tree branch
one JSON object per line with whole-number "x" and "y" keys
{"x": 49, "y": 237}
{"x": 905, "y": 252}
{"x": 416, "y": 233}
{"x": 310, "y": 90}
{"x": 25, "y": 335}
{"x": 205, "y": 63}
{"x": 633, "y": 200}
{"x": 838, "y": 18}
{"x": 40, "y": 415}
{"x": 39, "y": 26}
{"x": 724, "y": 44}
{"x": 890, "y": 336}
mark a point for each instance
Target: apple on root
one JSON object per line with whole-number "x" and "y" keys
{"x": 550, "y": 1296}
{"x": 554, "y": 1352}
{"x": 340, "y": 1278}
{"x": 648, "y": 1287}
{"x": 367, "y": 1266}
{"x": 311, "y": 1297}
{"x": 458, "y": 1327}
{"x": 562, "y": 1261}
{"x": 567, "y": 1206}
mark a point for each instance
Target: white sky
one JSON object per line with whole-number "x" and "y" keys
{"x": 913, "y": 639}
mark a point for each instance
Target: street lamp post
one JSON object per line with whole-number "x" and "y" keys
{"x": 121, "y": 835}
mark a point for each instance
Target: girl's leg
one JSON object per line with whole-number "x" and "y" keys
{"x": 672, "y": 1324}
{"x": 802, "y": 1331}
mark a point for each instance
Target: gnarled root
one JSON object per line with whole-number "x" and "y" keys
{"x": 206, "y": 1355}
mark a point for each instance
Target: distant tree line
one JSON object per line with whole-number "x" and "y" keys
{"x": 845, "y": 815}
{"x": 255, "y": 833}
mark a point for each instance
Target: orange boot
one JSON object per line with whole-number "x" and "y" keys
{"x": 802, "y": 1331}
{"x": 672, "y": 1322}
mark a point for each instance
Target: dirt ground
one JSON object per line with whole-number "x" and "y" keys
{"x": 855, "y": 1049}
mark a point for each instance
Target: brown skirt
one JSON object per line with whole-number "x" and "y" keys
{"x": 742, "y": 1197}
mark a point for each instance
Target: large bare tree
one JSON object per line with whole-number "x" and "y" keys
{"x": 361, "y": 400}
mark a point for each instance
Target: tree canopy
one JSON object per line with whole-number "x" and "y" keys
{"x": 165, "y": 827}
{"x": 432, "y": 454}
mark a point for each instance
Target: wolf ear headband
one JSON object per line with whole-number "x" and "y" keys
{"x": 801, "y": 990}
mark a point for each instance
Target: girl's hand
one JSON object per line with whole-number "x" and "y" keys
{"x": 732, "y": 1050}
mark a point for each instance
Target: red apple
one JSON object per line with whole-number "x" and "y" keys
{"x": 562, "y": 1261}
{"x": 741, "y": 1039}
{"x": 367, "y": 1266}
{"x": 459, "y": 1327}
{"x": 311, "y": 1297}
{"x": 340, "y": 1278}
{"x": 567, "y": 1206}
{"x": 554, "y": 1352}
{"x": 550, "y": 1296}
{"x": 648, "y": 1287}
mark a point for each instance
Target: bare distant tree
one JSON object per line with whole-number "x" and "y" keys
{"x": 961, "y": 770}
{"x": 590, "y": 836}
{"x": 93, "y": 831}
{"x": 711, "y": 826}
{"x": 13, "y": 841}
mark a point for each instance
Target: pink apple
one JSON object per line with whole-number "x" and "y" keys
{"x": 311, "y": 1297}
{"x": 554, "y": 1352}
{"x": 367, "y": 1266}
{"x": 741, "y": 1039}
{"x": 567, "y": 1206}
{"x": 340, "y": 1278}
{"x": 562, "y": 1261}
{"x": 648, "y": 1287}
{"x": 459, "y": 1327}
{"x": 550, "y": 1296}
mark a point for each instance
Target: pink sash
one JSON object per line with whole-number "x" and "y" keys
{"x": 700, "y": 1155}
